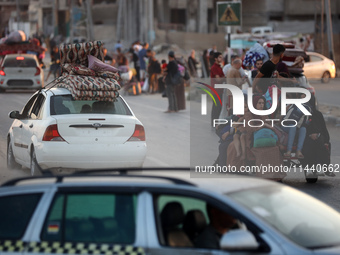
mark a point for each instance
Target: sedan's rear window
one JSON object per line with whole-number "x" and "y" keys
{"x": 20, "y": 62}
{"x": 65, "y": 104}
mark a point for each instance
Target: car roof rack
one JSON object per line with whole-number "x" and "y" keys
{"x": 122, "y": 172}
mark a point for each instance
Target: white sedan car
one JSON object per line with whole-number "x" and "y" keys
{"x": 319, "y": 67}
{"x": 53, "y": 131}
{"x": 21, "y": 71}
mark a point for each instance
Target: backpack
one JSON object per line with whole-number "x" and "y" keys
{"x": 184, "y": 73}
{"x": 296, "y": 114}
{"x": 181, "y": 69}
{"x": 175, "y": 79}
{"x": 265, "y": 137}
{"x": 269, "y": 96}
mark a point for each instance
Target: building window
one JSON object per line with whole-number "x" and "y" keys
{"x": 276, "y": 17}
{"x": 178, "y": 16}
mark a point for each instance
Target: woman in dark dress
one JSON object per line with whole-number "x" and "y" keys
{"x": 316, "y": 148}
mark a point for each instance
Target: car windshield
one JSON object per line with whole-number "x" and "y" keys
{"x": 20, "y": 62}
{"x": 64, "y": 104}
{"x": 301, "y": 218}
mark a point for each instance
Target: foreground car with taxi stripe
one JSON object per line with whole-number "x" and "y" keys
{"x": 161, "y": 211}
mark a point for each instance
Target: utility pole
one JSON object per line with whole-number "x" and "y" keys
{"x": 329, "y": 29}
{"x": 125, "y": 21}
{"x": 71, "y": 21}
{"x": 322, "y": 25}
{"x": 119, "y": 20}
{"x": 18, "y": 15}
{"x": 89, "y": 23}
{"x": 81, "y": 26}
{"x": 55, "y": 17}
{"x": 151, "y": 28}
{"x": 202, "y": 16}
{"x": 141, "y": 24}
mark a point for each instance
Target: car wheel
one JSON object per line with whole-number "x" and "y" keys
{"x": 35, "y": 168}
{"x": 326, "y": 77}
{"x": 311, "y": 176}
{"x": 11, "y": 163}
{"x": 2, "y": 90}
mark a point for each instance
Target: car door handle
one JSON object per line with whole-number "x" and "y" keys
{"x": 31, "y": 125}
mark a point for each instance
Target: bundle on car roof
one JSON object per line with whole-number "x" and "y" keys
{"x": 85, "y": 74}
{"x": 16, "y": 43}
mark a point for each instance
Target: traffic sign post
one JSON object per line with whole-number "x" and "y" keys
{"x": 229, "y": 14}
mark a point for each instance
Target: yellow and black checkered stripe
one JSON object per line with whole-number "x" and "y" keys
{"x": 12, "y": 246}
{"x": 69, "y": 248}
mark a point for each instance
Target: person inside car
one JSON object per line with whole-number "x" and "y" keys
{"x": 220, "y": 223}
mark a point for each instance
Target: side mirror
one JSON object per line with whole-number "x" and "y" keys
{"x": 238, "y": 239}
{"x": 14, "y": 115}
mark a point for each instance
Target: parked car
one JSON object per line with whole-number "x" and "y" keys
{"x": 261, "y": 30}
{"x": 162, "y": 212}
{"x": 318, "y": 66}
{"x": 55, "y": 131}
{"x": 21, "y": 71}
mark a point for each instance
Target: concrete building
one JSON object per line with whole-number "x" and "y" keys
{"x": 7, "y": 7}
{"x": 183, "y": 22}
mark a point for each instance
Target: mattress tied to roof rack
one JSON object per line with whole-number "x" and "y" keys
{"x": 85, "y": 83}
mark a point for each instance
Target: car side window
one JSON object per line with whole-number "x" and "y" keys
{"x": 15, "y": 214}
{"x": 25, "y": 111}
{"x": 185, "y": 221}
{"x": 35, "y": 111}
{"x": 315, "y": 59}
{"x": 91, "y": 217}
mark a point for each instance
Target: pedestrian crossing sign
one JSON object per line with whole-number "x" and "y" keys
{"x": 229, "y": 13}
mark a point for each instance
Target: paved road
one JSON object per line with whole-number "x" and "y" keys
{"x": 327, "y": 93}
{"x": 171, "y": 140}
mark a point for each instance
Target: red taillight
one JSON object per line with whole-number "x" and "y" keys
{"x": 52, "y": 134}
{"x": 38, "y": 71}
{"x": 139, "y": 134}
{"x": 2, "y": 73}
{"x": 20, "y": 58}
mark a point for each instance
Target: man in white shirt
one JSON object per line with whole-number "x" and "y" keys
{"x": 228, "y": 66}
